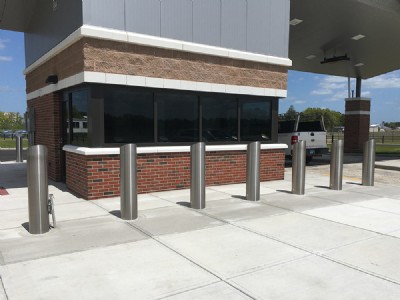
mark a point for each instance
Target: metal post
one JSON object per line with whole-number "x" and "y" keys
{"x": 18, "y": 148}
{"x": 253, "y": 171}
{"x": 128, "y": 182}
{"x": 299, "y": 168}
{"x": 37, "y": 189}
{"x": 336, "y": 177}
{"x": 368, "y": 167}
{"x": 197, "y": 176}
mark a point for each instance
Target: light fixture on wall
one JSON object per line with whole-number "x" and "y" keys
{"x": 55, "y": 5}
{"x": 52, "y": 79}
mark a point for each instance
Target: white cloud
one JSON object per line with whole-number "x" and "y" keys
{"x": 299, "y": 102}
{"x": 386, "y": 81}
{"x": 6, "y": 58}
{"x": 321, "y": 92}
{"x": 3, "y": 44}
{"x": 329, "y": 84}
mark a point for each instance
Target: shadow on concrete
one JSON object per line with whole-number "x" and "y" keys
{"x": 239, "y": 197}
{"x": 116, "y": 213}
{"x": 184, "y": 203}
{"x": 26, "y": 226}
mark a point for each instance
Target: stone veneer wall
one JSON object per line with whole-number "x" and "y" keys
{"x": 97, "y": 176}
{"x": 48, "y": 118}
{"x": 96, "y": 55}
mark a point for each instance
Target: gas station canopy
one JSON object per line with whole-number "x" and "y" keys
{"x": 359, "y": 38}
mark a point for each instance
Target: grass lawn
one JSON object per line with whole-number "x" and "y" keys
{"x": 9, "y": 143}
{"x": 387, "y": 149}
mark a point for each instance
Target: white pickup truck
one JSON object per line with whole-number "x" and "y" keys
{"x": 313, "y": 132}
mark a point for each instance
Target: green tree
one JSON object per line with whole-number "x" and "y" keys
{"x": 290, "y": 114}
{"x": 11, "y": 120}
{"x": 331, "y": 118}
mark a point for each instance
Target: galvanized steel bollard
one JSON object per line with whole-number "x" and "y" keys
{"x": 368, "y": 167}
{"x": 299, "y": 168}
{"x": 37, "y": 190}
{"x": 336, "y": 178}
{"x": 128, "y": 182}
{"x": 253, "y": 171}
{"x": 18, "y": 149}
{"x": 197, "y": 176}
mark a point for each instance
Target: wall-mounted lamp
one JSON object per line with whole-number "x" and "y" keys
{"x": 52, "y": 79}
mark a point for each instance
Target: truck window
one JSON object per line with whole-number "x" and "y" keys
{"x": 286, "y": 126}
{"x": 310, "y": 126}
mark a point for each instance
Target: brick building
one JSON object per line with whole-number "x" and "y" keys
{"x": 164, "y": 74}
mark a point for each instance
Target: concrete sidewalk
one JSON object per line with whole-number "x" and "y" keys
{"x": 324, "y": 245}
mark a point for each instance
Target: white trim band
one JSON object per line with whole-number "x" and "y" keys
{"x": 148, "y": 40}
{"x": 128, "y": 80}
{"x": 167, "y": 149}
{"x": 358, "y": 113}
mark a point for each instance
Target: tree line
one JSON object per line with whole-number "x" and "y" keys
{"x": 332, "y": 118}
{"x": 11, "y": 121}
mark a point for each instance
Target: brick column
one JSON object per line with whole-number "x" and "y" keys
{"x": 356, "y": 126}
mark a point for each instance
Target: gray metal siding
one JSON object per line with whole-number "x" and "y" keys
{"x": 207, "y": 22}
{"x": 104, "y": 13}
{"x": 177, "y": 19}
{"x": 234, "y": 24}
{"x": 258, "y": 20}
{"x": 143, "y": 16}
{"x": 47, "y": 28}
{"x": 280, "y": 15}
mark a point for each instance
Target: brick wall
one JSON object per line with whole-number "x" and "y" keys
{"x": 94, "y": 177}
{"x": 356, "y": 125}
{"x": 48, "y": 132}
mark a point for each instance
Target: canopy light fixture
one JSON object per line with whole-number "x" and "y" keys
{"x": 52, "y": 79}
{"x": 312, "y": 56}
{"x": 335, "y": 59}
{"x": 358, "y": 37}
{"x": 359, "y": 65}
{"x": 295, "y": 22}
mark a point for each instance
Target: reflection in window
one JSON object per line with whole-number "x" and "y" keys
{"x": 178, "y": 118}
{"x": 79, "y": 109}
{"x": 255, "y": 120}
{"x": 128, "y": 117}
{"x": 220, "y": 122}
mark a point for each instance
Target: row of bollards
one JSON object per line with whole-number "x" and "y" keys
{"x": 41, "y": 205}
{"x": 336, "y": 165}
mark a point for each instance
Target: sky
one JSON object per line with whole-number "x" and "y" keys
{"x": 304, "y": 89}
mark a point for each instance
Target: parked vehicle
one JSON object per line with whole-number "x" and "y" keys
{"x": 313, "y": 132}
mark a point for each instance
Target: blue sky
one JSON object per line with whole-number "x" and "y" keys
{"x": 304, "y": 89}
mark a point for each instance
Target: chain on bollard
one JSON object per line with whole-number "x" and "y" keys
{"x": 253, "y": 171}
{"x": 299, "y": 168}
{"x": 368, "y": 167}
{"x": 197, "y": 176}
{"x": 50, "y": 209}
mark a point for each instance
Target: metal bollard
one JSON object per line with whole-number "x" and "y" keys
{"x": 18, "y": 148}
{"x": 197, "y": 176}
{"x": 336, "y": 178}
{"x": 128, "y": 182}
{"x": 368, "y": 167}
{"x": 37, "y": 189}
{"x": 299, "y": 168}
{"x": 253, "y": 171}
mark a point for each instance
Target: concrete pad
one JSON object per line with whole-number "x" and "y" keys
{"x": 145, "y": 201}
{"x": 315, "y": 278}
{"x": 13, "y": 218}
{"x": 346, "y": 196}
{"x": 307, "y": 232}
{"x": 71, "y": 236}
{"x": 80, "y": 210}
{"x": 296, "y": 202}
{"x": 360, "y": 217}
{"x": 220, "y": 290}
{"x": 3, "y": 295}
{"x": 173, "y": 220}
{"x": 381, "y": 190}
{"x": 140, "y": 270}
{"x": 230, "y": 251}
{"x": 11, "y": 202}
{"x": 379, "y": 256}
{"x": 234, "y": 210}
{"x": 382, "y": 204}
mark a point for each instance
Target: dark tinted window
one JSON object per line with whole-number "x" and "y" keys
{"x": 128, "y": 116}
{"x": 286, "y": 126}
{"x": 310, "y": 126}
{"x": 255, "y": 120}
{"x": 79, "y": 111}
{"x": 220, "y": 122}
{"x": 178, "y": 118}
